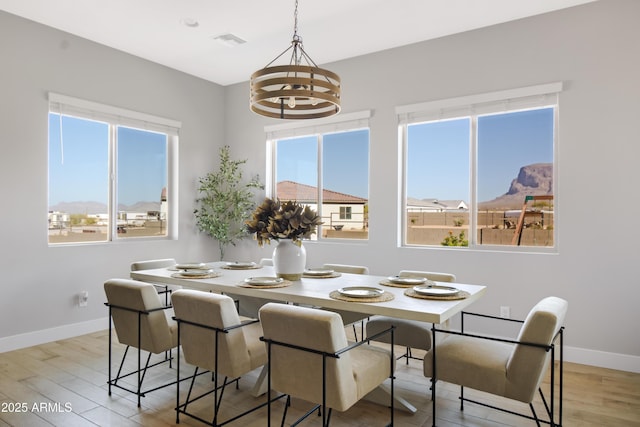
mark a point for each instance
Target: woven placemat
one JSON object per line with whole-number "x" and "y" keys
{"x": 323, "y": 276}
{"x": 460, "y": 295}
{"x": 386, "y": 296}
{"x": 282, "y": 284}
{"x": 253, "y": 267}
{"x": 387, "y": 282}
{"x": 204, "y": 276}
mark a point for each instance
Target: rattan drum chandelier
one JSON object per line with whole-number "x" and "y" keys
{"x": 298, "y": 90}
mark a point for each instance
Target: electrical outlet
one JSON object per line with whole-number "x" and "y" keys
{"x": 505, "y": 312}
{"x": 83, "y": 299}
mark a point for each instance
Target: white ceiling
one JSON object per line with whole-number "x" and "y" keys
{"x": 332, "y": 29}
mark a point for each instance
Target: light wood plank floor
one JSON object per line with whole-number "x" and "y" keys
{"x": 63, "y": 383}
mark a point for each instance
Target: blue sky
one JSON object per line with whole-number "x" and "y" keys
{"x": 78, "y": 166}
{"x": 438, "y": 158}
{"x": 345, "y": 161}
{"x": 438, "y": 153}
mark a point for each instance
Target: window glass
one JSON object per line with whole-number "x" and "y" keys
{"x": 515, "y": 162}
{"x": 339, "y": 176}
{"x": 78, "y": 180}
{"x": 345, "y": 177}
{"x": 142, "y": 183}
{"x": 437, "y": 180}
{"x": 481, "y": 180}
{"x": 81, "y": 193}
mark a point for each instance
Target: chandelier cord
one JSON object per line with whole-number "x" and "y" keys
{"x": 295, "y": 21}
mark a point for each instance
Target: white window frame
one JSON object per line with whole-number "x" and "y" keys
{"x": 510, "y": 100}
{"x": 117, "y": 116}
{"x": 317, "y": 127}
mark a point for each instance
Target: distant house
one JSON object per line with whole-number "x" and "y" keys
{"x": 435, "y": 205}
{"x": 339, "y": 210}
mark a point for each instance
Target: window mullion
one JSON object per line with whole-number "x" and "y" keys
{"x": 473, "y": 182}
{"x": 112, "y": 232}
{"x": 320, "y": 182}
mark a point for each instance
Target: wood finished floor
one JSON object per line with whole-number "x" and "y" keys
{"x": 63, "y": 383}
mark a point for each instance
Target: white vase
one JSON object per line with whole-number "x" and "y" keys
{"x": 289, "y": 260}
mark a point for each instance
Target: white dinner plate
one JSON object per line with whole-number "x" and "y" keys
{"x": 263, "y": 280}
{"x": 191, "y": 266}
{"x": 318, "y": 272}
{"x": 197, "y": 272}
{"x": 435, "y": 290}
{"x": 407, "y": 280}
{"x": 241, "y": 265}
{"x": 361, "y": 292}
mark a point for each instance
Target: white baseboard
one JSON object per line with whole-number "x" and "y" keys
{"x": 30, "y": 339}
{"x": 603, "y": 359}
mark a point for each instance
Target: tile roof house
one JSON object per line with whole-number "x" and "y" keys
{"x": 290, "y": 190}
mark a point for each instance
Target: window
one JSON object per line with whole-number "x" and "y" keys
{"x": 109, "y": 173}
{"x": 345, "y": 212}
{"x": 326, "y": 167}
{"x": 479, "y": 171}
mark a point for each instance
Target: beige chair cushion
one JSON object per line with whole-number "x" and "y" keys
{"x": 509, "y": 370}
{"x": 158, "y": 330}
{"x": 345, "y": 268}
{"x": 408, "y": 333}
{"x": 240, "y": 350}
{"x": 349, "y": 377}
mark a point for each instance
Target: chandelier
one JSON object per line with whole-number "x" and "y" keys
{"x": 299, "y": 90}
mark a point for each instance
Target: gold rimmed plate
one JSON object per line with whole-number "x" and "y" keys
{"x": 192, "y": 266}
{"x": 318, "y": 272}
{"x": 263, "y": 281}
{"x": 400, "y": 280}
{"x": 361, "y": 292}
{"x": 197, "y": 272}
{"x": 436, "y": 291}
{"x": 240, "y": 265}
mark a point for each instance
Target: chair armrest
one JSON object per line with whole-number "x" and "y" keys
{"x": 164, "y": 307}
{"x": 487, "y": 316}
{"x": 490, "y": 338}
{"x": 335, "y": 354}
{"x": 212, "y": 328}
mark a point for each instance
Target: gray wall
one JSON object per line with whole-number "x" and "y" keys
{"x": 39, "y": 284}
{"x": 592, "y": 48}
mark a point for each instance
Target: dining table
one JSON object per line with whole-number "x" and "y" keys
{"x": 326, "y": 291}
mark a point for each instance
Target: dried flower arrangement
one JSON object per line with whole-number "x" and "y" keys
{"x": 275, "y": 220}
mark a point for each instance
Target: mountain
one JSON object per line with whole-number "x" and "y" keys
{"x": 535, "y": 179}
{"x": 88, "y": 207}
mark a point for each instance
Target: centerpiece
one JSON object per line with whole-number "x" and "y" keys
{"x": 287, "y": 223}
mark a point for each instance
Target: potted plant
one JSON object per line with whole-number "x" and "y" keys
{"x": 287, "y": 223}
{"x": 225, "y": 201}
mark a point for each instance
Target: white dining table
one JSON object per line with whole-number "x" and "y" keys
{"x": 315, "y": 291}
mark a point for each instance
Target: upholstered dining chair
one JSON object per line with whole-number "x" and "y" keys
{"x": 513, "y": 369}
{"x": 310, "y": 358}
{"x": 141, "y": 321}
{"x": 153, "y": 264}
{"x": 409, "y": 333}
{"x": 214, "y": 338}
{"x": 350, "y": 317}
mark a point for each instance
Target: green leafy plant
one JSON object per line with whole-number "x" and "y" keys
{"x": 453, "y": 240}
{"x": 225, "y": 201}
{"x": 273, "y": 220}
